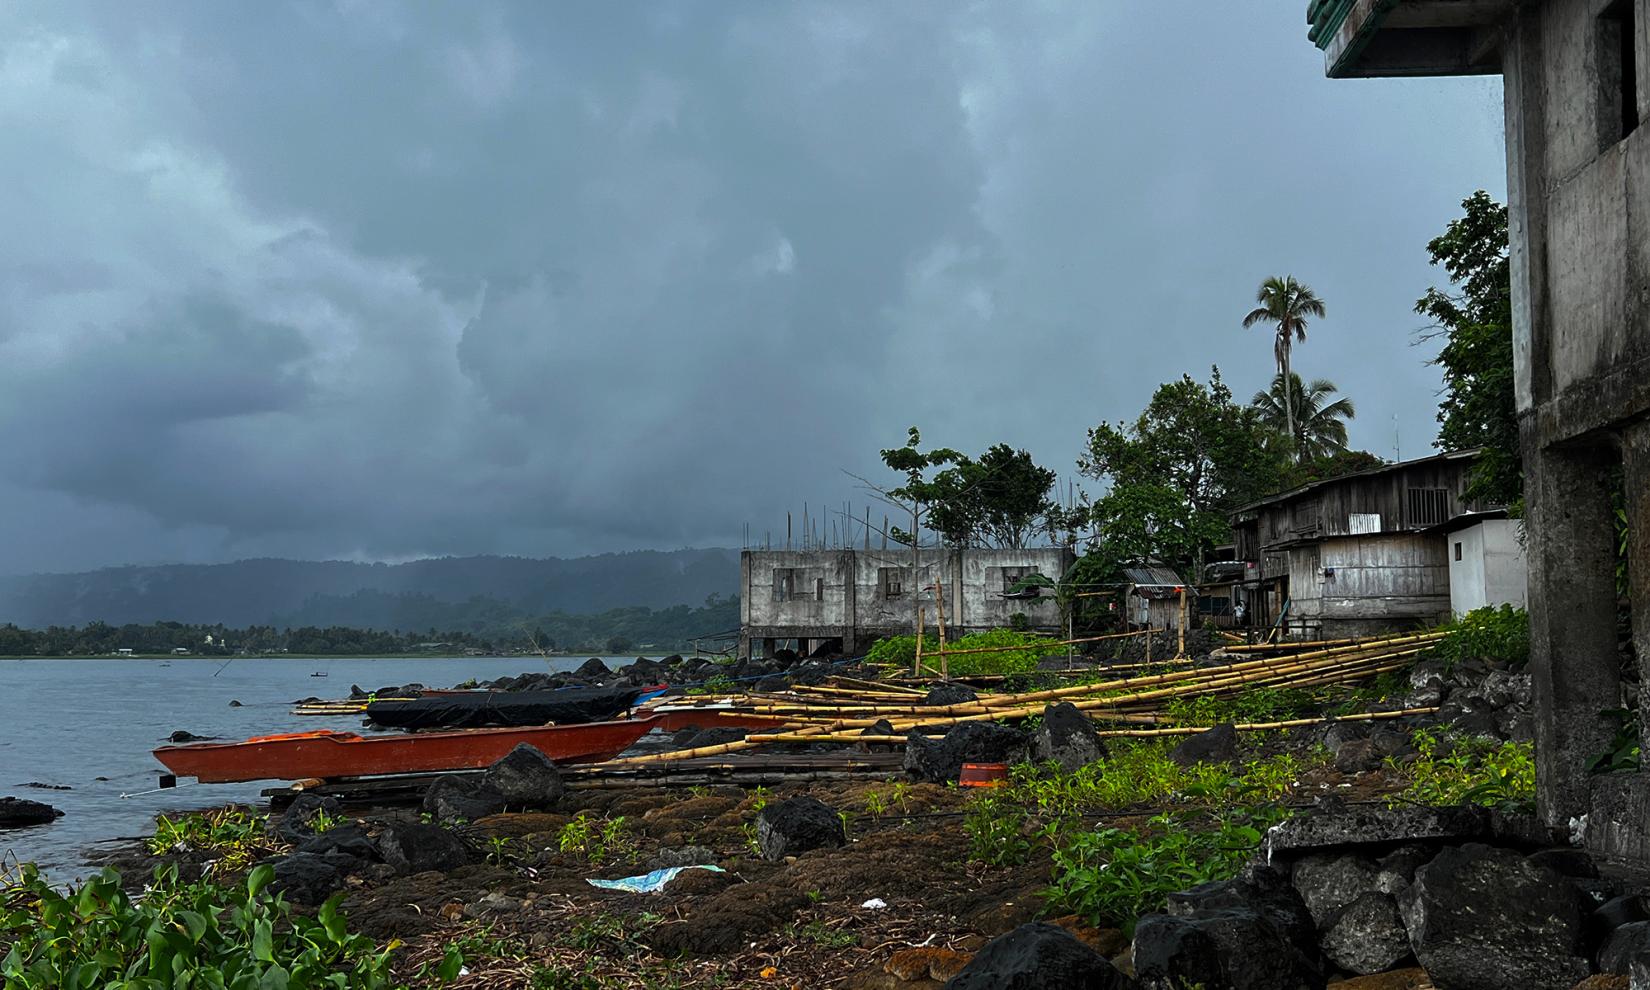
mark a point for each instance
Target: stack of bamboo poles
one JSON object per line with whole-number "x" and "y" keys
{"x": 841, "y": 709}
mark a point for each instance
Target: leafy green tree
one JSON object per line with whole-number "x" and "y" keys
{"x": 1173, "y": 474}
{"x": 1339, "y": 463}
{"x": 1319, "y": 424}
{"x": 919, "y": 493}
{"x": 999, "y": 500}
{"x": 1479, "y": 407}
{"x": 1285, "y": 304}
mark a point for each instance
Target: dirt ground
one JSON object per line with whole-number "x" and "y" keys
{"x": 530, "y": 920}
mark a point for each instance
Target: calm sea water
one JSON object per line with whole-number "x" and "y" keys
{"x": 89, "y": 725}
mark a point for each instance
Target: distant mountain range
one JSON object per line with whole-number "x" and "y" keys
{"x": 416, "y": 595}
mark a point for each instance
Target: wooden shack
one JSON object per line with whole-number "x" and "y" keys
{"x": 1362, "y": 553}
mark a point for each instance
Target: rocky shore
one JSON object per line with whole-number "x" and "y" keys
{"x": 1378, "y": 854}
{"x": 879, "y": 883}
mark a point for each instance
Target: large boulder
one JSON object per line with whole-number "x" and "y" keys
{"x": 950, "y": 694}
{"x": 297, "y": 822}
{"x": 797, "y": 825}
{"x": 21, "y": 812}
{"x": 1366, "y": 936}
{"x": 1068, "y": 737}
{"x": 1396, "y": 870}
{"x": 593, "y": 670}
{"x": 526, "y": 778}
{"x": 412, "y": 847}
{"x": 1329, "y": 881}
{"x": 1216, "y": 745}
{"x": 1625, "y": 944}
{"x": 1370, "y": 825}
{"x": 1038, "y": 956}
{"x": 719, "y": 735}
{"x": 453, "y": 798}
{"x": 310, "y": 878}
{"x": 1262, "y": 890}
{"x": 938, "y": 761}
{"x": 1229, "y": 949}
{"x": 346, "y": 840}
{"x": 1484, "y": 918}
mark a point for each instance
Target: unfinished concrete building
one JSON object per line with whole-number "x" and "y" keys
{"x": 1577, "y": 78}
{"x": 845, "y": 600}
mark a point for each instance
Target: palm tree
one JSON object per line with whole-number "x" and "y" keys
{"x": 1285, "y": 303}
{"x": 1319, "y": 425}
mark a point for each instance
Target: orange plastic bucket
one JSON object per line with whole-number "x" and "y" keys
{"x": 983, "y": 775}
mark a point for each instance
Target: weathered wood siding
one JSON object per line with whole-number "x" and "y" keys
{"x": 1346, "y": 507}
{"x": 1366, "y": 583}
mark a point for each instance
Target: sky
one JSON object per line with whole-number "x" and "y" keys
{"x": 366, "y": 280}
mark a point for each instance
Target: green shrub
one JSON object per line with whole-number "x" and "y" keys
{"x": 1116, "y": 875}
{"x": 995, "y": 825}
{"x": 1024, "y": 650}
{"x": 1469, "y": 771}
{"x": 1499, "y": 635}
{"x": 596, "y": 839}
{"x": 235, "y": 937}
{"x": 1253, "y": 705}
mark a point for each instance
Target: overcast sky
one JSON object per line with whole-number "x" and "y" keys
{"x": 380, "y": 280}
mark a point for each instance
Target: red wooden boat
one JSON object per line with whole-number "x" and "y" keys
{"x": 327, "y": 754}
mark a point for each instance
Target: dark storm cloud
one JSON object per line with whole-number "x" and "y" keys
{"x": 376, "y": 280}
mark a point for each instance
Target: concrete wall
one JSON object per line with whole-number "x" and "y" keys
{"x": 1579, "y": 224}
{"x": 1579, "y": 199}
{"x": 845, "y": 593}
{"x": 1486, "y": 566}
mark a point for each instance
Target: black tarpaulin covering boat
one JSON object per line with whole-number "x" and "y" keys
{"x": 504, "y": 708}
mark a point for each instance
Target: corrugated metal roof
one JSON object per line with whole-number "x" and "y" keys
{"x": 1160, "y": 577}
{"x": 1284, "y": 496}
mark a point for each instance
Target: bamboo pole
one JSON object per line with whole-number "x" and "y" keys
{"x": 916, "y": 665}
{"x": 1294, "y": 723}
{"x": 1261, "y": 667}
{"x": 883, "y": 685}
{"x": 1182, "y": 648}
{"x": 939, "y": 617}
{"x": 1328, "y": 666}
{"x": 1300, "y": 643}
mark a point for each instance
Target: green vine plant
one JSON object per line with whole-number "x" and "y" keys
{"x": 203, "y": 934}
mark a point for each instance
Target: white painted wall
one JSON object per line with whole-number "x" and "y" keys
{"x": 1486, "y": 566}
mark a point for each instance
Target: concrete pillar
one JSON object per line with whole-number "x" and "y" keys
{"x": 1573, "y": 664}
{"x": 1635, "y": 460}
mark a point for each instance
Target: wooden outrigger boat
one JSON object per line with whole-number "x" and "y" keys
{"x": 330, "y": 755}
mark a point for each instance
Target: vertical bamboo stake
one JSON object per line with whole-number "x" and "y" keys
{"x": 1148, "y": 640}
{"x": 939, "y": 616}
{"x": 916, "y": 663}
{"x": 1182, "y": 650}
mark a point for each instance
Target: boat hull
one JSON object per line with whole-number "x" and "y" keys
{"x": 330, "y": 755}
